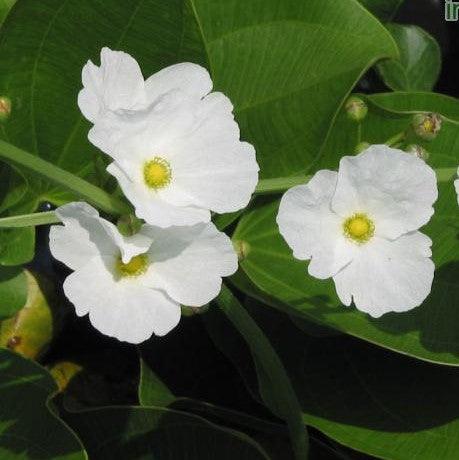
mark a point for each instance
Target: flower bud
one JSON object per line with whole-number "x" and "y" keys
{"x": 418, "y": 151}
{"x": 5, "y": 108}
{"x": 356, "y": 109}
{"x": 426, "y": 125}
{"x": 129, "y": 225}
{"x": 361, "y": 147}
{"x": 242, "y": 248}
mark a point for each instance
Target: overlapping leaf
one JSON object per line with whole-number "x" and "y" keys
{"x": 371, "y": 400}
{"x": 420, "y": 60}
{"x": 28, "y": 428}
{"x": 158, "y": 433}
{"x": 13, "y": 290}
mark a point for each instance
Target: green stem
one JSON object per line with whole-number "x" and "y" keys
{"x": 47, "y": 170}
{"x": 29, "y": 220}
{"x": 279, "y": 184}
{"x": 265, "y": 186}
{"x": 266, "y": 357}
{"x": 396, "y": 139}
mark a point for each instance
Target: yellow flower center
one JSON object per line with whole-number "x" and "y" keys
{"x": 359, "y": 228}
{"x": 157, "y": 173}
{"x": 429, "y": 125}
{"x": 135, "y": 267}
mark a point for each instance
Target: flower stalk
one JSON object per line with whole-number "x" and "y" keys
{"x": 264, "y": 187}
{"x": 89, "y": 192}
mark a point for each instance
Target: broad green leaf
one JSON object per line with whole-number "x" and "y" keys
{"x": 156, "y": 433}
{"x": 412, "y": 102}
{"x": 153, "y": 392}
{"x": 364, "y": 397}
{"x": 13, "y": 290}
{"x": 283, "y": 403}
{"x": 420, "y": 60}
{"x": 5, "y": 6}
{"x": 428, "y": 332}
{"x": 28, "y": 428}
{"x": 13, "y": 186}
{"x": 279, "y": 109}
{"x": 287, "y": 66}
{"x": 284, "y": 100}
{"x": 383, "y": 9}
{"x": 194, "y": 359}
{"x": 17, "y": 245}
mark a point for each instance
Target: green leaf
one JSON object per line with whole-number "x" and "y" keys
{"x": 158, "y": 433}
{"x": 195, "y": 363}
{"x": 28, "y": 428}
{"x": 13, "y": 290}
{"x": 383, "y": 9}
{"x": 287, "y": 66}
{"x": 279, "y": 109}
{"x": 13, "y": 186}
{"x": 17, "y": 245}
{"x": 364, "y": 397}
{"x": 283, "y": 403}
{"x": 247, "y": 48}
{"x": 428, "y": 332}
{"x": 420, "y": 60}
{"x": 152, "y": 391}
{"x": 413, "y": 102}
{"x": 5, "y": 6}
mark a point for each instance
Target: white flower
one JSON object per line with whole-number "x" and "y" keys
{"x": 176, "y": 146}
{"x": 132, "y": 287}
{"x": 359, "y": 226}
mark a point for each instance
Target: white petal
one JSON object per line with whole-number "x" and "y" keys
{"x": 145, "y": 132}
{"x": 112, "y": 127}
{"x": 117, "y": 84}
{"x": 395, "y": 188}
{"x": 82, "y": 237}
{"x": 189, "y": 262}
{"x": 121, "y": 309}
{"x": 135, "y": 314}
{"x": 91, "y": 284}
{"x": 89, "y": 97}
{"x": 211, "y": 164}
{"x": 152, "y": 209}
{"x": 189, "y": 78}
{"x": 388, "y": 275}
{"x": 311, "y": 229}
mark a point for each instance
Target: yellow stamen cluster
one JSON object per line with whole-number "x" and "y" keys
{"x": 135, "y": 267}
{"x": 157, "y": 173}
{"x": 359, "y": 228}
{"x": 428, "y": 125}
